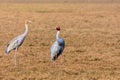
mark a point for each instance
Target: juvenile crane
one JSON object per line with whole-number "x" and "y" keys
{"x": 58, "y": 46}
{"x": 16, "y": 42}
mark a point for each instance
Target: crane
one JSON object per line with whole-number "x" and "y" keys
{"x": 58, "y": 46}
{"x": 16, "y": 42}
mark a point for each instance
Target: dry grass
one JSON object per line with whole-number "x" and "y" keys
{"x": 91, "y": 32}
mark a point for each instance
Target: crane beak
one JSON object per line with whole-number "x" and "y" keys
{"x": 52, "y": 29}
{"x": 30, "y": 21}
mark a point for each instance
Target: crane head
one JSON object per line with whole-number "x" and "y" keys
{"x": 27, "y": 21}
{"x": 58, "y": 28}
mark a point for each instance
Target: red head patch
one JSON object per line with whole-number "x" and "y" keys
{"x": 58, "y": 28}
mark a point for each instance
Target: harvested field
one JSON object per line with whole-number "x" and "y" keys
{"x": 91, "y": 32}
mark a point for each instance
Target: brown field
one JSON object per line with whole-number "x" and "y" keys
{"x": 91, "y": 32}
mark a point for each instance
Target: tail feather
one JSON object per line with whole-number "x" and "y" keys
{"x": 7, "y": 52}
{"x": 54, "y": 58}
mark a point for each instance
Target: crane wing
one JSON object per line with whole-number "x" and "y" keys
{"x": 15, "y": 43}
{"x": 57, "y": 49}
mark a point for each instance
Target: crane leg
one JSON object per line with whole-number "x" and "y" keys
{"x": 16, "y": 56}
{"x": 61, "y": 66}
{"x": 55, "y": 62}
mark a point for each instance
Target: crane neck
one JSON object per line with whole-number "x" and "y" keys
{"x": 26, "y": 29}
{"x": 57, "y": 35}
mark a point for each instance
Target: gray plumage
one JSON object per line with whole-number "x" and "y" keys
{"x": 57, "y": 47}
{"x": 16, "y": 42}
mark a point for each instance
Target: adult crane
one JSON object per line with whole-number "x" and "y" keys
{"x": 16, "y": 42}
{"x": 58, "y": 46}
